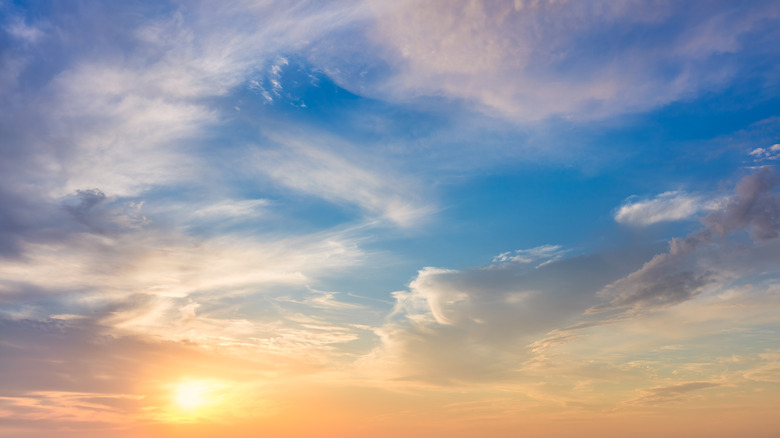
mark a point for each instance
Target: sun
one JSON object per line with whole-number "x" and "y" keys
{"x": 190, "y": 395}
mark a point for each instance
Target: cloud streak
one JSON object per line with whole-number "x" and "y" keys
{"x": 666, "y": 207}
{"x": 318, "y": 171}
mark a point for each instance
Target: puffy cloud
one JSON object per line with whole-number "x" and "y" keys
{"x": 475, "y": 324}
{"x": 491, "y": 322}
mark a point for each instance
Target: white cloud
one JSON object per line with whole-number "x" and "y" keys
{"x": 21, "y": 30}
{"x": 529, "y": 61}
{"x": 768, "y": 153}
{"x": 540, "y": 255}
{"x": 668, "y": 206}
{"x": 346, "y": 175}
{"x": 232, "y": 208}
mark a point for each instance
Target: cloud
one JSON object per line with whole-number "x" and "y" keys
{"x": 768, "y": 153}
{"x": 545, "y": 254}
{"x": 140, "y": 275}
{"x": 666, "y": 280}
{"x": 231, "y": 208}
{"x": 345, "y": 175}
{"x": 492, "y": 322}
{"x": 672, "y": 393}
{"x": 697, "y": 261}
{"x": 117, "y": 150}
{"x": 475, "y": 324}
{"x": 23, "y": 31}
{"x": 107, "y": 281}
{"x": 755, "y": 207}
{"x": 139, "y": 117}
{"x": 530, "y": 61}
{"x": 768, "y": 370}
{"x": 77, "y": 375}
{"x": 668, "y": 206}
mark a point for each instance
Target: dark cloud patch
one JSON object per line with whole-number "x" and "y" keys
{"x": 754, "y": 207}
{"x": 87, "y": 200}
{"x": 83, "y": 210}
{"x": 18, "y": 218}
{"x": 71, "y": 356}
{"x": 665, "y": 280}
{"x": 706, "y": 256}
{"x": 28, "y": 217}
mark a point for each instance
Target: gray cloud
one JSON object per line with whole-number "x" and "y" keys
{"x": 754, "y": 207}
{"x": 705, "y": 257}
{"x": 669, "y": 206}
{"x": 18, "y": 218}
{"x": 476, "y": 324}
{"x": 665, "y": 280}
{"x": 481, "y": 323}
{"x": 87, "y": 200}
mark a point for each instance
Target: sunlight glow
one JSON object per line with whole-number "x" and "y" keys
{"x": 190, "y": 395}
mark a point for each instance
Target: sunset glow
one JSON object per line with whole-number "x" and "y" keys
{"x": 190, "y": 395}
{"x": 389, "y": 218}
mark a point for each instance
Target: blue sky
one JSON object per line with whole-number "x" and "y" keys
{"x": 435, "y": 193}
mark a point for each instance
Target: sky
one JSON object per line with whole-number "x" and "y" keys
{"x": 366, "y": 218}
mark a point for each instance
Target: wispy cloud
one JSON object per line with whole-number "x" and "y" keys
{"x": 672, "y": 393}
{"x": 768, "y": 369}
{"x": 540, "y": 255}
{"x": 347, "y": 176}
{"x": 205, "y": 191}
{"x": 506, "y": 57}
{"x": 668, "y": 206}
